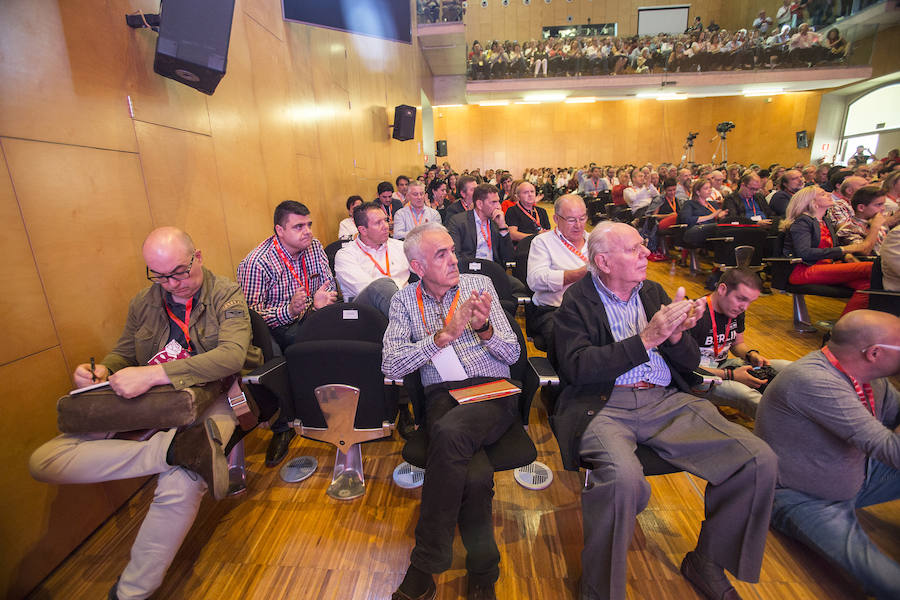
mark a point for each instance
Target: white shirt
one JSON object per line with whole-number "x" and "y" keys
{"x": 347, "y": 229}
{"x": 405, "y": 220}
{"x": 548, "y": 258}
{"x": 354, "y": 270}
{"x": 639, "y": 197}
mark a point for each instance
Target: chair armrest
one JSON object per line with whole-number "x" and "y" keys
{"x": 726, "y": 240}
{"x": 510, "y": 264}
{"x": 546, "y": 373}
{"x": 790, "y": 261}
{"x": 260, "y": 375}
{"x": 888, "y": 293}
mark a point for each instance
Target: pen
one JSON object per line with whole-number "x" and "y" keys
{"x": 93, "y": 375}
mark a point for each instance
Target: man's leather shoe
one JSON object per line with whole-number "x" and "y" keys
{"x": 429, "y": 594}
{"x": 278, "y": 447}
{"x": 707, "y": 577}
{"x": 406, "y": 425}
{"x": 481, "y": 592}
{"x": 199, "y": 448}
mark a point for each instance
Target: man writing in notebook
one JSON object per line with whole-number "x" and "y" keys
{"x": 188, "y": 328}
{"x": 451, "y": 328}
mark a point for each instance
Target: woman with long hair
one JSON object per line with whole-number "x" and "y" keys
{"x": 700, "y": 213}
{"x": 810, "y": 235}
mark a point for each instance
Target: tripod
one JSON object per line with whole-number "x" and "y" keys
{"x": 688, "y": 149}
{"x": 723, "y": 146}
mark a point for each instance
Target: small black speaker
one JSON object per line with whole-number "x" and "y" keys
{"x": 441, "y": 148}
{"x": 192, "y": 47}
{"x": 404, "y": 123}
{"x": 802, "y": 139}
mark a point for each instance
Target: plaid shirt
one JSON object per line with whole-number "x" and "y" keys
{"x": 269, "y": 285}
{"x": 857, "y": 230}
{"x": 841, "y": 212}
{"x": 408, "y": 346}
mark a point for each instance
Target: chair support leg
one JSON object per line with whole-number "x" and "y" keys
{"x": 237, "y": 474}
{"x": 801, "y": 315}
{"x": 347, "y": 481}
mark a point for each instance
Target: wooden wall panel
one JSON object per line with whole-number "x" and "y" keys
{"x": 61, "y": 75}
{"x": 520, "y": 22}
{"x": 623, "y": 131}
{"x": 24, "y": 315}
{"x": 41, "y": 523}
{"x": 86, "y": 224}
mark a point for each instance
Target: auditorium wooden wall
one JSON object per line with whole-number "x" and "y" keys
{"x": 621, "y": 131}
{"x": 302, "y": 113}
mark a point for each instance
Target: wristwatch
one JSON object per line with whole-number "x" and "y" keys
{"x": 483, "y": 328}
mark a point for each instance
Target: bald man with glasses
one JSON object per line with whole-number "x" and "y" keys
{"x": 188, "y": 328}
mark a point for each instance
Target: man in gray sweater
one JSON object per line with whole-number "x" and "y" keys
{"x": 832, "y": 419}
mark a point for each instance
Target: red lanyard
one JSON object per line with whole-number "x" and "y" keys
{"x": 864, "y": 391}
{"x": 305, "y": 281}
{"x": 486, "y": 232}
{"x": 712, "y": 317}
{"x": 422, "y": 307}
{"x": 183, "y": 325}
{"x": 571, "y": 248}
{"x": 751, "y": 204}
{"x": 532, "y": 215}
{"x": 387, "y": 260}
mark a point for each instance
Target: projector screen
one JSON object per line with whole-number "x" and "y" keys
{"x": 386, "y": 19}
{"x": 662, "y": 19}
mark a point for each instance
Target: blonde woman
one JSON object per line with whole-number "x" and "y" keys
{"x": 810, "y": 236}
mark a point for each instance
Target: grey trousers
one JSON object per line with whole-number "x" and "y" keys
{"x": 691, "y": 434}
{"x": 378, "y": 295}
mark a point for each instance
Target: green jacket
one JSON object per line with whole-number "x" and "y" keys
{"x": 219, "y": 328}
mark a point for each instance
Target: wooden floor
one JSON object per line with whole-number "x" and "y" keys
{"x": 285, "y": 540}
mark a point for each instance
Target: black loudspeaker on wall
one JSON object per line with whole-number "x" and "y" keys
{"x": 193, "y": 41}
{"x": 404, "y": 123}
{"x": 802, "y": 139}
{"x": 441, "y": 148}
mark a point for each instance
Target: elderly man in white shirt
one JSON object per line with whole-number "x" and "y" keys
{"x": 415, "y": 213}
{"x": 556, "y": 260}
{"x": 371, "y": 268}
{"x": 640, "y": 194}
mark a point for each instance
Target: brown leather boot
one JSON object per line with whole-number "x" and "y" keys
{"x": 199, "y": 449}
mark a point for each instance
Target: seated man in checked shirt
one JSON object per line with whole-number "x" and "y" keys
{"x": 452, "y": 329}
{"x": 283, "y": 279}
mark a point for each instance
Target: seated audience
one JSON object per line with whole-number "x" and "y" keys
{"x": 618, "y": 190}
{"x": 556, "y": 260}
{"x": 373, "y": 267}
{"x": 747, "y": 205}
{"x": 593, "y": 184}
{"x": 525, "y": 218}
{"x": 451, "y": 328}
{"x": 833, "y": 420}
{"x": 869, "y": 225}
{"x": 623, "y": 358}
{"x": 417, "y": 212}
{"x": 700, "y": 214}
{"x": 683, "y": 190}
{"x": 466, "y": 186}
{"x": 790, "y": 182}
{"x": 402, "y": 183}
{"x": 810, "y": 236}
{"x": 347, "y": 228}
{"x": 891, "y": 187}
{"x": 283, "y": 279}
{"x": 162, "y": 344}
{"x": 390, "y": 204}
{"x": 640, "y": 194}
{"x": 721, "y": 330}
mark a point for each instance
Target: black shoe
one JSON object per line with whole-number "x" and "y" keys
{"x": 278, "y": 447}
{"x": 406, "y": 425}
{"x": 199, "y": 449}
{"x": 707, "y": 577}
{"x": 481, "y": 591}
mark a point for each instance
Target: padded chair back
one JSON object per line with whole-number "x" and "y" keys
{"x": 520, "y": 271}
{"x": 331, "y": 251}
{"x": 357, "y": 363}
{"x": 743, "y": 236}
{"x": 780, "y": 271}
{"x": 262, "y": 337}
{"x": 344, "y": 321}
{"x": 497, "y": 275}
{"x": 877, "y": 280}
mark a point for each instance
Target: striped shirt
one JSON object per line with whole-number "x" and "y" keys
{"x": 269, "y": 285}
{"x": 841, "y": 211}
{"x": 408, "y": 346}
{"x": 627, "y": 319}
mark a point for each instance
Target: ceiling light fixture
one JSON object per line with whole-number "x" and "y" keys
{"x": 581, "y": 100}
{"x": 493, "y": 103}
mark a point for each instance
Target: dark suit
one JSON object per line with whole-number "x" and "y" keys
{"x": 454, "y": 209}
{"x": 465, "y": 237}
{"x": 598, "y": 424}
{"x": 737, "y": 211}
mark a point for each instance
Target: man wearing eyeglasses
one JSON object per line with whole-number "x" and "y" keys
{"x": 189, "y": 328}
{"x": 624, "y": 358}
{"x": 556, "y": 260}
{"x": 833, "y": 419}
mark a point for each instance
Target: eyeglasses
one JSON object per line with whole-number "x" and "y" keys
{"x": 176, "y": 275}
{"x": 573, "y": 220}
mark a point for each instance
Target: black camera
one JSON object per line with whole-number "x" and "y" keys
{"x": 724, "y": 126}
{"x": 692, "y": 136}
